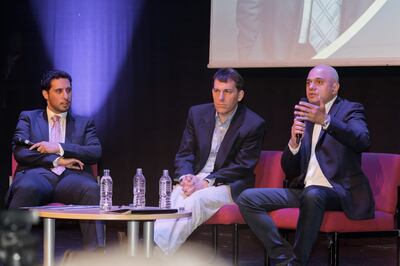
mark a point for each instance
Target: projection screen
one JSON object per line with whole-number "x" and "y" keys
{"x": 284, "y": 33}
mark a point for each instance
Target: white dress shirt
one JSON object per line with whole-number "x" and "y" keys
{"x": 315, "y": 176}
{"x": 220, "y": 130}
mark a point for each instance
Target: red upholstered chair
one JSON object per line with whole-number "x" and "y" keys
{"x": 383, "y": 172}
{"x": 268, "y": 174}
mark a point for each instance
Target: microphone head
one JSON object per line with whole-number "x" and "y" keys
{"x": 303, "y": 99}
{"x": 21, "y": 141}
{"x": 298, "y": 138}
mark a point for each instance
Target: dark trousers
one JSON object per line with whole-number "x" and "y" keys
{"x": 312, "y": 202}
{"x": 39, "y": 186}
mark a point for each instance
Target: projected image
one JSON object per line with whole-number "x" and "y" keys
{"x": 251, "y": 33}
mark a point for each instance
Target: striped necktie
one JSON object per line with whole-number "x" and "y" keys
{"x": 55, "y": 136}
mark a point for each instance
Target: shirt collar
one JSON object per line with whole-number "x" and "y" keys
{"x": 228, "y": 120}
{"x": 50, "y": 114}
{"x": 329, "y": 104}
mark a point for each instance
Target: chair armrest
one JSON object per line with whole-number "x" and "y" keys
{"x": 396, "y": 213}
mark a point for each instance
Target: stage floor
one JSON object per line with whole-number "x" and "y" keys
{"x": 353, "y": 251}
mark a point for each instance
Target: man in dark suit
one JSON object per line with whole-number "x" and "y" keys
{"x": 57, "y": 166}
{"x": 323, "y": 164}
{"x": 219, "y": 150}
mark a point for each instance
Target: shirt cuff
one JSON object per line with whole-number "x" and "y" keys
{"x": 181, "y": 177}
{"x": 61, "y": 152}
{"x": 55, "y": 162}
{"x": 204, "y": 176}
{"x": 210, "y": 181}
{"x": 294, "y": 150}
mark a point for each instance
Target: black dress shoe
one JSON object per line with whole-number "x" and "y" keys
{"x": 280, "y": 261}
{"x": 293, "y": 262}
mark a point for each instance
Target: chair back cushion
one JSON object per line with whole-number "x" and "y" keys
{"x": 268, "y": 170}
{"x": 383, "y": 172}
{"x": 13, "y": 165}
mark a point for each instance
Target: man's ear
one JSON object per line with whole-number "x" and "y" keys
{"x": 45, "y": 94}
{"x": 335, "y": 88}
{"x": 241, "y": 95}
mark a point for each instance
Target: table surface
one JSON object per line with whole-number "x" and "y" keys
{"x": 94, "y": 213}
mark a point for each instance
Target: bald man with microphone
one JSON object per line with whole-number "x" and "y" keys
{"x": 323, "y": 168}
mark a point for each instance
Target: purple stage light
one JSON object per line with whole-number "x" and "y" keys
{"x": 90, "y": 40}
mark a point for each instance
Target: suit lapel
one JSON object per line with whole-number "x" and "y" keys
{"x": 307, "y": 139}
{"x": 230, "y": 137}
{"x": 44, "y": 126}
{"x": 207, "y": 124}
{"x": 69, "y": 127}
{"x": 332, "y": 112}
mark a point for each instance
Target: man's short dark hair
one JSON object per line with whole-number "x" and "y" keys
{"x": 45, "y": 83}
{"x": 226, "y": 74}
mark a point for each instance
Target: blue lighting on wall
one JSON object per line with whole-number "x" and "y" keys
{"x": 89, "y": 39}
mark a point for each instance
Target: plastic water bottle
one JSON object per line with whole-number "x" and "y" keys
{"x": 106, "y": 191}
{"x": 165, "y": 190}
{"x": 139, "y": 189}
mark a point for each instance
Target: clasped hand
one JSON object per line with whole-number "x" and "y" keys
{"x": 192, "y": 183}
{"x": 54, "y": 147}
{"x": 70, "y": 163}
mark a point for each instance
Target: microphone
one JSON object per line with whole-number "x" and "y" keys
{"x": 21, "y": 141}
{"x": 298, "y": 136}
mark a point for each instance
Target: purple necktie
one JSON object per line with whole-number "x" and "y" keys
{"x": 55, "y": 136}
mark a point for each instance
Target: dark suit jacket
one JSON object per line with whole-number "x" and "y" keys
{"x": 237, "y": 155}
{"x": 81, "y": 141}
{"x": 338, "y": 152}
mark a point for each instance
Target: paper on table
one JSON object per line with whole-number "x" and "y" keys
{"x": 62, "y": 207}
{"x": 144, "y": 210}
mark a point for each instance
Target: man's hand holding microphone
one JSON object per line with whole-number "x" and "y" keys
{"x": 305, "y": 111}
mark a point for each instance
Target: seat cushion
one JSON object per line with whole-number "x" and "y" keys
{"x": 336, "y": 221}
{"x": 228, "y": 214}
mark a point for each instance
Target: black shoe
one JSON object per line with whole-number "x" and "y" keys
{"x": 280, "y": 261}
{"x": 293, "y": 262}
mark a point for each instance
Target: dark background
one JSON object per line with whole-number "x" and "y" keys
{"x": 164, "y": 74}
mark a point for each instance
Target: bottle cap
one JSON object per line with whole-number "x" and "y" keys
{"x": 106, "y": 172}
{"x": 165, "y": 172}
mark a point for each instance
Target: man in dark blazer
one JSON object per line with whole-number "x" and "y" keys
{"x": 220, "y": 147}
{"x": 56, "y": 165}
{"x": 323, "y": 164}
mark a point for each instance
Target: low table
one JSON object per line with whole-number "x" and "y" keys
{"x": 50, "y": 214}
